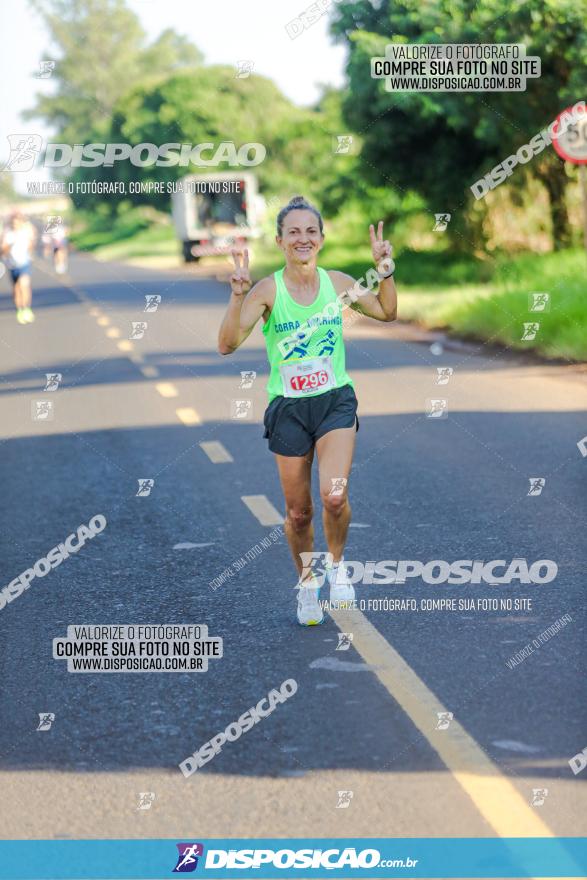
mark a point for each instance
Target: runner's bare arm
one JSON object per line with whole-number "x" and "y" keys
{"x": 383, "y": 305}
{"x": 365, "y": 301}
{"x": 241, "y": 316}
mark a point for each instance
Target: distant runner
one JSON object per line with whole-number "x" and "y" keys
{"x": 312, "y": 402}
{"x": 55, "y": 244}
{"x": 18, "y": 241}
{"x": 60, "y": 249}
{"x": 47, "y": 244}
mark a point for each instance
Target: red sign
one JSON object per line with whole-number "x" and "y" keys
{"x": 569, "y": 134}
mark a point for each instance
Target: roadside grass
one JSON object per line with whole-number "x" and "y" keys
{"x": 134, "y": 234}
{"x": 147, "y": 243}
{"x": 481, "y": 299}
{"x": 499, "y": 312}
{"x": 462, "y": 295}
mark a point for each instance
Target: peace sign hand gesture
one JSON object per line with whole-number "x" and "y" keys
{"x": 240, "y": 280}
{"x": 381, "y": 250}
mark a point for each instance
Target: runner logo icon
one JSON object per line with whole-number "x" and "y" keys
{"x": 152, "y": 302}
{"x": 46, "y": 719}
{"x": 187, "y": 860}
{"x": 24, "y": 149}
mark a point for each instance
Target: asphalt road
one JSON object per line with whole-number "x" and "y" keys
{"x": 363, "y": 720}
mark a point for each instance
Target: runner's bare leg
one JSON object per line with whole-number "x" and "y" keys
{"x": 25, "y": 291}
{"x": 295, "y": 473}
{"x": 335, "y": 458}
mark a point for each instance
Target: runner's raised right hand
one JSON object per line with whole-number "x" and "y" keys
{"x": 240, "y": 280}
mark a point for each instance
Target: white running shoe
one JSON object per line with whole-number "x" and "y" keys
{"x": 342, "y": 592}
{"x": 309, "y": 611}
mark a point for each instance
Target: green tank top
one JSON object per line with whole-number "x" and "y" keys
{"x": 296, "y": 333}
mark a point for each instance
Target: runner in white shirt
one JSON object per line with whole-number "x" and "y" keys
{"x": 18, "y": 241}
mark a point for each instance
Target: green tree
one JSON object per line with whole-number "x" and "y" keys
{"x": 212, "y": 104}
{"x": 440, "y": 143}
{"x": 100, "y": 48}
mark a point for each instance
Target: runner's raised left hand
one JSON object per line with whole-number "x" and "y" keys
{"x": 381, "y": 249}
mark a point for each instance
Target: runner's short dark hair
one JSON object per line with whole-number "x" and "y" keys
{"x": 298, "y": 203}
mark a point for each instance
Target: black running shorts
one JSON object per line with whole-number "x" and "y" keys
{"x": 293, "y": 424}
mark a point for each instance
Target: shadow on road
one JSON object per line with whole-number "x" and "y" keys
{"x": 406, "y": 487}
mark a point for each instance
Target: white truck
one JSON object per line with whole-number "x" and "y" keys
{"x": 213, "y": 212}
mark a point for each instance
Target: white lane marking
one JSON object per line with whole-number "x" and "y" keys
{"x": 261, "y": 507}
{"x": 216, "y": 452}
{"x": 512, "y": 745}
{"x": 187, "y": 545}
{"x": 494, "y": 796}
{"x": 188, "y": 416}
{"x": 167, "y": 389}
{"x": 333, "y": 664}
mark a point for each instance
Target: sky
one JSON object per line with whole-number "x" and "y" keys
{"x": 226, "y": 31}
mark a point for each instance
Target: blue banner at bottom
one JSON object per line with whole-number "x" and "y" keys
{"x": 303, "y": 857}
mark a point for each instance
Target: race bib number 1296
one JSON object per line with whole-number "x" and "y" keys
{"x": 307, "y": 376}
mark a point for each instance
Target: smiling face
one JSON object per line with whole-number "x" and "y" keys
{"x": 301, "y": 239}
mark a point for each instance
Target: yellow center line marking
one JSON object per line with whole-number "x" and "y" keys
{"x": 216, "y": 452}
{"x": 150, "y": 372}
{"x": 103, "y": 321}
{"x": 125, "y": 345}
{"x": 496, "y": 798}
{"x": 188, "y": 416}
{"x": 167, "y": 389}
{"x": 113, "y": 333}
{"x": 261, "y": 507}
{"x": 94, "y": 312}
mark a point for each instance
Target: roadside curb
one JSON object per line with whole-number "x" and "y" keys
{"x": 411, "y": 331}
